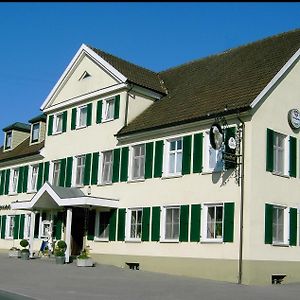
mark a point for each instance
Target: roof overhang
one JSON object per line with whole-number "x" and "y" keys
{"x": 50, "y": 197}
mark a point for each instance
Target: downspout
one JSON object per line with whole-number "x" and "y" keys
{"x": 240, "y": 263}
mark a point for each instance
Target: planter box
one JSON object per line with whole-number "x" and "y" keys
{"x": 87, "y": 262}
{"x": 25, "y": 255}
{"x": 60, "y": 260}
{"x": 14, "y": 253}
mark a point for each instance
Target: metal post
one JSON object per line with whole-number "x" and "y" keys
{"x": 31, "y": 233}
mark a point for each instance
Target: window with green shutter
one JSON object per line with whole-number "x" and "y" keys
{"x": 22, "y": 223}
{"x": 64, "y": 121}
{"x": 112, "y": 225}
{"x": 145, "y": 224}
{"x": 16, "y": 226}
{"x": 40, "y": 176}
{"x": 186, "y": 154}
{"x": 155, "y": 225}
{"x": 37, "y": 225}
{"x": 87, "y": 169}
{"x": 121, "y": 224}
{"x": 117, "y": 107}
{"x": 95, "y": 166}
{"x": 99, "y": 112}
{"x": 293, "y": 157}
{"x": 25, "y": 179}
{"x": 50, "y": 125}
{"x": 89, "y": 114}
{"x": 268, "y": 224}
{"x": 62, "y": 174}
{"x": 116, "y": 165}
{"x": 198, "y": 153}
{"x": 149, "y": 160}
{"x": 3, "y": 226}
{"x": 124, "y": 164}
{"x": 20, "y": 180}
{"x": 69, "y": 169}
{"x": 2, "y": 181}
{"x": 184, "y": 223}
{"x": 73, "y": 118}
{"x": 6, "y": 187}
{"x": 269, "y": 150}
{"x": 158, "y": 160}
{"x": 293, "y": 227}
{"x": 57, "y": 225}
{"x": 195, "y": 223}
{"x": 46, "y": 171}
{"x": 228, "y": 222}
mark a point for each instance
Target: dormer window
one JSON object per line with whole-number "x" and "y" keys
{"x": 8, "y": 140}
{"x": 35, "y": 132}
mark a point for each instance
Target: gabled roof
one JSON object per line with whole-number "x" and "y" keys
{"x": 231, "y": 80}
{"x": 18, "y": 126}
{"x": 22, "y": 150}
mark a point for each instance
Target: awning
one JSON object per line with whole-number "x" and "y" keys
{"x": 54, "y": 197}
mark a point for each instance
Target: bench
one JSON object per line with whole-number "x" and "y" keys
{"x": 133, "y": 265}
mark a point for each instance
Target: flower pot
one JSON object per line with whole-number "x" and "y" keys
{"x": 14, "y": 253}
{"x": 84, "y": 262}
{"x": 25, "y": 255}
{"x": 60, "y": 260}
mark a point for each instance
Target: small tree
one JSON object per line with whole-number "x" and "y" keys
{"x": 60, "y": 248}
{"x": 24, "y": 243}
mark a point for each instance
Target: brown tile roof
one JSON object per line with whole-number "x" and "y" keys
{"x": 24, "y": 149}
{"x": 134, "y": 73}
{"x": 232, "y": 80}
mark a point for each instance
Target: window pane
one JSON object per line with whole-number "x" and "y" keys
{"x": 34, "y": 177}
{"x": 35, "y": 132}
{"x": 172, "y": 223}
{"x": 172, "y": 163}
{"x": 8, "y": 140}
{"x": 179, "y": 162}
{"x": 107, "y": 167}
{"x": 56, "y": 171}
{"x": 58, "y": 122}
{"x": 109, "y": 109}
{"x": 104, "y": 225}
{"x": 80, "y": 170}
{"x": 82, "y": 116}
{"x": 138, "y": 163}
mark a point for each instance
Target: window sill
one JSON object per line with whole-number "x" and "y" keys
{"x": 101, "y": 240}
{"x": 212, "y": 241}
{"x": 170, "y": 241}
{"x": 133, "y": 241}
{"x": 108, "y": 120}
{"x": 56, "y": 133}
{"x": 280, "y": 175}
{"x": 209, "y": 172}
{"x": 80, "y": 127}
{"x": 9, "y": 238}
{"x": 12, "y": 194}
{"x": 31, "y": 192}
{"x": 104, "y": 184}
{"x": 171, "y": 176}
{"x": 136, "y": 180}
{"x": 280, "y": 245}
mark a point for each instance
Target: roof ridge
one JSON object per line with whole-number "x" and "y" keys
{"x": 229, "y": 50}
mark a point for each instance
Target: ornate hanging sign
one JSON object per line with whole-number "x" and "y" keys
{"x": 294, "y": 118}
{"x": 216, "y": 136}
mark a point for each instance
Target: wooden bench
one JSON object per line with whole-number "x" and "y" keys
{"x": 133, "y": 265}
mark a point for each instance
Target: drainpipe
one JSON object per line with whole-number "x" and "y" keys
{"x": 240, "y": 266}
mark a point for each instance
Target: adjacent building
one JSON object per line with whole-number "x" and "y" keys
{"x": 193, "y": 170}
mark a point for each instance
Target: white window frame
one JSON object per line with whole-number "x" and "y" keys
{"x": 32, "y": 188}
{"x": 129, "y": 214}
{"x": 164, "y": 224}
{"x": 286, "y": 222}
{"x": 52, "y": 169}
{"x": 43, "y": 223}
{"x": 32, "y": 132}
{"x": 216, "y": 154}
{"x": 141, "y": 163}
{"x": 58, "y": 116}
{"x": 104, "y": 238}
{"x": 9, "y": 227}
{"x": 8, "y": 140}
{"x": 27, "y": 222}
{"x": 106, "y": 102}
{"x": 78, "y": 115}
{"x": 167, "y": 157}
{"x": 204, "y": 226}
{"x": 75, "y": 165}
{"x": 285, "y": 156}
{"x": 101, "y": 167}
{"x": 14, "y": 178}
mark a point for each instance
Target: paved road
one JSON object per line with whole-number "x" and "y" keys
{"x": 45, "y": 280}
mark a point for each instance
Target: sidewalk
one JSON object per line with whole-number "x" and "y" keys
{"x": 45, "y": 280}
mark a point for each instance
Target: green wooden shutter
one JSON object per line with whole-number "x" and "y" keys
{"x": 40, "y": 176}
{"x": 57, "y": 225}
{"x": 69, "y": 171}
{"x": 149, "y": 160}
{"x": 16, "y": 226}
{"x": 20, "y": 180}
{"x": 6, "y": 187}
{"x": 95, "y": 166}
{"x": 121, "y": 224}
{"x": 186, "y": 155}
{"x": 50, "y": 125}
{"x": 195, "y": 223}
{"x": 91, "y": 225}
{"x": 184, "y": 223}
{"x": 145, "y": 224}
{"x": 158, "y": 160}
{"x": 64, "y": 121}
{"x": 116, "y": 165}
{"x": 117, "y": 107}
{"x": 124, "y": 164}
{"x": 3, "y": 227}
{"x": 37, "y": 225}
{"x": 270, "y": 152}
{"x": 112, "y": 225}
{"x": 228, "y": 222}
{"x": 73, "y": 118}
{"x": 2, "y": 182}
{"x": 198, "y": 153}
{"x": 293, "y": 156}
{"x": 46, "y": 171}
{"x": 87, "y": 169}
{"x": 25, "y": 179}
{"x": 99, "y": 112}
{"x": 229, "y": 132}
{"x": 155, "y": 226}
{"x": 293, "y": 227}
{"x": 89, "y": 114}
{"x": 62, "y": 172}
{"x": 22, "y": 222}
{"x": 268, "y": 224}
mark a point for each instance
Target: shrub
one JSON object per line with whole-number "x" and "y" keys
{"x": 24, "y": 243}
{"x": 60, "y": 248}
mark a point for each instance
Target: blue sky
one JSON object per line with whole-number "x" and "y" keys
{"x": 38, "y": 40}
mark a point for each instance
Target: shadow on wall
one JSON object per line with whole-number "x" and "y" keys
{"x": 223, "y": 176}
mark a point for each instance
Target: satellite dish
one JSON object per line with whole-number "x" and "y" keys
{"x": 216, "y": 136}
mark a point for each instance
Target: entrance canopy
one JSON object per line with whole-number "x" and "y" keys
{"x": 54, "y": 197}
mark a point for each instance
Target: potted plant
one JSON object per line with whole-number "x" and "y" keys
{"x": 14, "y": 252}
{"x": 84, "y": 259}
{"x": 59, "y": 252}
{"x": 24, "y": 252}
